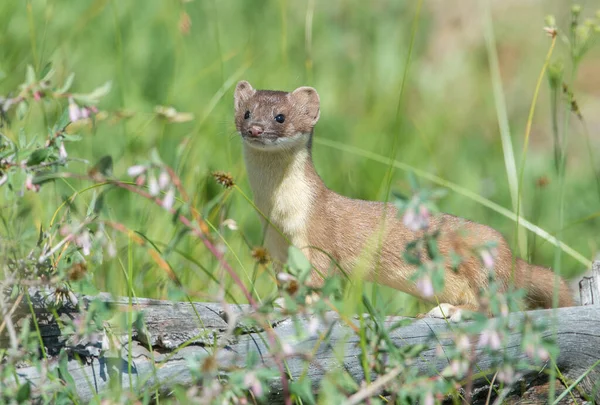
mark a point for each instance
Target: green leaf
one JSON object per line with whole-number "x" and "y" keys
{"x": 251, "y": 359}
{"x": 30, "y": 75}
{"x": 413, "y": 181}
{"x": 22, "y": 138}
{"x": 99, "y": 203}
{"x": 24, "y": 393}
{"x": 438, "y": 279}
{"x": 44, "y": 178}
{"x": 105, "y": 165}
{"x": 22, "y": 108}
{"x": 401, "y": 196}
{"x": 297, "y": 260}
{"x": 439, "y": 193}
{"x": 175, "y": 240}
{"x": 95, "y": 96}
{"x": 71, "y": 137}
{"x": 47, "y": 72}
{"x": 432, "y": 248}
{"x": 412, "y": 351}
{"x": 400, "y": 324}
{"x": 63, "y": 121}
{"x": 101, "y": 91}
{"x": 411, "y": 256}
{"x": 38, "y": 156}
{"x": 87, "y": 287}
{"x": 303, "y": 390}
{"x": 455, "y": 260}
{"x": 63, "y": 369}
{"x": 92, "y": 206}
{"x": 67, "y": 84}
{"x": 155, "y": 157}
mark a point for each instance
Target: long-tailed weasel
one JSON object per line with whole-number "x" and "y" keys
{"x": 277, "y": 129}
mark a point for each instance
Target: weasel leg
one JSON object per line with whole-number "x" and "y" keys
{"x": 454, "y": 313}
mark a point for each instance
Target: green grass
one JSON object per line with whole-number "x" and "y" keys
{"x": 355, "y": 57}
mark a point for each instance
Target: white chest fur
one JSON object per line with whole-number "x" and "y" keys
{"x": 283, "y": 193}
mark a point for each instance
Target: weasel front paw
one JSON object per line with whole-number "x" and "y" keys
{"x": 448, "y": 311}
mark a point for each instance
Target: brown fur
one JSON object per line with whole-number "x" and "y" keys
{"x": 288, "y": 190}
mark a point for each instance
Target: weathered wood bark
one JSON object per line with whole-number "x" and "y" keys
{"x": 170, "y": 324}
{"x": 589, "y": 286}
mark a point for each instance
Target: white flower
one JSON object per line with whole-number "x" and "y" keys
{"x": 163, "y": 180}
{"x": 285, "y": 277}
{"x": 105, "y": 341}
{"x": 112, "y": 249}
{"x": 462, "y": 343}
{"x": 62, "y": 152}
{"x": 428, "y": 399}
{"x": 230, "y": 224}
{"x": 84, "y": 242}
{"x": 169, "y": 199}
{"x": 72, "y": 298}
{"x": 287, "y": 349}
{"x": 153, "y": 187}
{"x": 313, "y": 326}
{"x": 136, "y": 170}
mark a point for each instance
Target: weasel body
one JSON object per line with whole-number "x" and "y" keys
{"x": 277, "y": 129}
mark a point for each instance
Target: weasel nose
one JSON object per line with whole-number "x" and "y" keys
{"x": 255, "y": 130}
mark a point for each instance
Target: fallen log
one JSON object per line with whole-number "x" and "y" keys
{"x": 173, "y": 334}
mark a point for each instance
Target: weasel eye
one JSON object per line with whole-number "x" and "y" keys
{"x": 247, "y": 115}
{"x": 280, "y": 118}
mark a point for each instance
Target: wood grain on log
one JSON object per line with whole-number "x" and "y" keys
{"x": 170, "y": 324}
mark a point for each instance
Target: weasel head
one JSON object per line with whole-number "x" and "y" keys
{"x": 275, "y": 120}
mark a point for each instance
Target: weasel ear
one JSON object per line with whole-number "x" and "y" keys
{"x": 306, "y": 100}
{"x": 243, "y": 91}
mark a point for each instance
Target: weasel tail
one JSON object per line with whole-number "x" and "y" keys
{"x": 277, "y": 128}
{"x": 539, "y": 284}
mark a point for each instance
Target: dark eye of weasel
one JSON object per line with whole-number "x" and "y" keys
{"x": 280, "y": 118}
{"x": 247, "y": 115}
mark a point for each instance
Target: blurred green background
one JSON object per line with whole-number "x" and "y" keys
{"x": 189, "y": 55}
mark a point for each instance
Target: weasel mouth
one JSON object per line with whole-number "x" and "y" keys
{"x": 261, "y": 140}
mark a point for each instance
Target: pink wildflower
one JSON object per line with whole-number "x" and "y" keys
{"x": 74, "y": 111}
{"x": 425, "y": 286}
{"x": 506, "y": 374}
{"x": 29, "y": 184}
{"x": 253, "y": 383}
{"x": 416, "y": 219}
{"x": 490, "y": 338}
{"x": 488, "y": 257}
